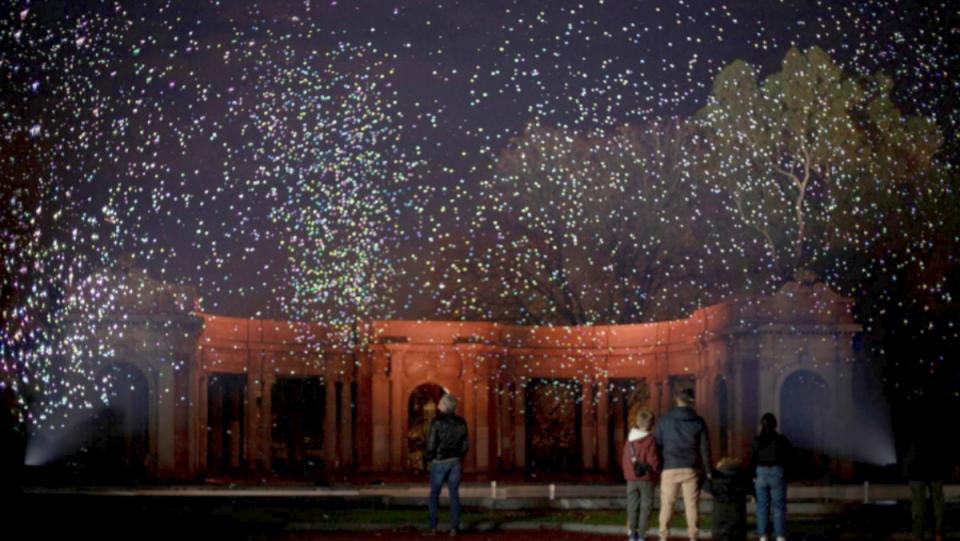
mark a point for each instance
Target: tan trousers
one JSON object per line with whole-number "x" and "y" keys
{"x": 686, "y": 480}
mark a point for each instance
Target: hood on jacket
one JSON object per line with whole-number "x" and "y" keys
{"x": 637, "y": 434}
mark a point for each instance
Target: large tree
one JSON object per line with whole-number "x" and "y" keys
{"x": 585, "y": 228}
{"x": 813, "y": 161}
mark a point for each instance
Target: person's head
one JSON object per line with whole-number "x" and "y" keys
{"x": 684, "y": 398}
{"x": 448, "y": 404}
{"x": 768, "y": 423}
{"x": 644, "y": 420}
{"x": 728, "y": 463}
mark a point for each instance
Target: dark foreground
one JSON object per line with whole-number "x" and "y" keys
{"x": 43, "y": 516}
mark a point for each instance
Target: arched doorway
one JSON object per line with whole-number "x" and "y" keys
{"x": 723, "y": 415}
{"x": 553, "y": 419}
{"x": 804, "y": 396}
{"x": 421, "y": 409}
{"x": 123, "y": 438}
{"x": 297, "y": 413}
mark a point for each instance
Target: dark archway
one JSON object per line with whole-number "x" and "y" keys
{"x": 804, "y": 397}
{"x": 723, "y": 415}
{"x": 421, "y": 409}
{"x": 226, "y": 399}
{"x": 123, "y": 435}
{"x": 553, "y": 417}
{"x": 297, "y": 410}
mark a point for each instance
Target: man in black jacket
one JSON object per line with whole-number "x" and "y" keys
{"x": 685, "y": 448}
{"x": 447, "y": 444}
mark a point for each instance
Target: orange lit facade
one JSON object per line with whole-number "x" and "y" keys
{"x": 233, "y": 395}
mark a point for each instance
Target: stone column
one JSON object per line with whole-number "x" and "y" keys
{"x": 266, "y": 419}
{"x": 469, "y": 377}
{"x": 251, "y": 416}
{"x": 520, "y": 424}
{"x": 201, "y": 430}
{"x": 505, "y": 428}
{"x": 236, "y": 443}
{"x": 346, "y": 423}
{"x": 215, "y": 426}
{"x": 329, "y": 420}
{"x": 166, "y": 415}
{"x": 588, "y": 431}
{"x": 380, "y": 410}
{"x": 483, "y": 423}
{"x": 603, "y": 424}
{"x": 396, "y": 414}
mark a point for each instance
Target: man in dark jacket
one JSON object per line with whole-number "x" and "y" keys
{"x": 447, "y": 444}
{"x": 685, "y": 448}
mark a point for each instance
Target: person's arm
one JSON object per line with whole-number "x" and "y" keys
{"x": 754, "y": 457}
{"x": 654, "y": 459}
{"x": 658, "y": 437}
{"x": 705, "y": 451}
{"x": 431, "y": 450}
{"x": 465, "y": 442}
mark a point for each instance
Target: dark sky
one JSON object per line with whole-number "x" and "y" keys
{"x": 168, "y": 94}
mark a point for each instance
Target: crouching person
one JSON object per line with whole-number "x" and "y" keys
{"x": 641, "y": 468}
{"x": 730, "y": 487}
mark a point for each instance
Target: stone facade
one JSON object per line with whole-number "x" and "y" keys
{"x": 231, "y": 394}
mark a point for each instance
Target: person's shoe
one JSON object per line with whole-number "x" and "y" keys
{"x": 781, "y": 539}
{"x": 431, "y": 532}
{"x": 453, "y": 532}
{"x": 764, "y": 538}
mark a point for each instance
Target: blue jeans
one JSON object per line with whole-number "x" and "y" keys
{"x": 448, "y": 472}
{"x": 771, "y": 488}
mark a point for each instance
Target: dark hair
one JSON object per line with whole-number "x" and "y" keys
{"x": 685, "y": 397}
{"x": 768, "y": 423}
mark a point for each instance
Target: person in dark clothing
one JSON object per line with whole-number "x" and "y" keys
{"x": 769, "y": 459}
{"x": 447, "y": 444}
{"x": 730, "y": 487}
{"x": 685, "y": 450}
{"x": 926, "y": 465}
{"x": 640, "y": 448}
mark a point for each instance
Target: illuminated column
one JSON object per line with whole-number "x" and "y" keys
{"x": 603, "y": 424}
{"x": 252, "y": 414}
{"x": 166, "y": 455}
{"x": 588, "y": 431}
{"x": 266, "y": 419}
{"x": 396, "y": 414}
{"x": 329, "y": 419}
{"x": 346, "y": 423}
{"x": 381, "y": 409}
{"x": 520, "y": 424}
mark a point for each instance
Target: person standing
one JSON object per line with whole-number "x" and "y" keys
{"x": 769, "y": 457}
{"x": 447, "y": 444}
{"x": 730, "y": 487}
{"x": 641, "y": 467}
{"x": 926, "y": 466}
{"x": 685, "y": 448}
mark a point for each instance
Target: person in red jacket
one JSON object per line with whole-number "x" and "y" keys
{"x": 641, "y": 469}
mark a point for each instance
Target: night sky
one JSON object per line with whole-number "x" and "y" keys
{"x": 176, "y": 131}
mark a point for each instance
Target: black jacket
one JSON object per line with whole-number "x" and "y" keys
{"x": 682, "y": 439}
{"x": 730, "y": 488}
{"x": 447, "y": 438}
{"x": 770, "y": 449}
{"x": 926, "y": 460}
